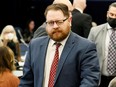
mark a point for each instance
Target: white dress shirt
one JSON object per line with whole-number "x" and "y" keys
{"x": 49, "y": 59}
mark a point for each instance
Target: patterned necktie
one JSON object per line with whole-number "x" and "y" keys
{"x": 111, "y": 62}
{"x": 54, "y": 66}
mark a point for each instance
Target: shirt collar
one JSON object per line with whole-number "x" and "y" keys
{"x": 79, "y": 10}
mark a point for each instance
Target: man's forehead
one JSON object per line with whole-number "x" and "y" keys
{"x": 53, "y": 13}
{"x": 112, "y": 9}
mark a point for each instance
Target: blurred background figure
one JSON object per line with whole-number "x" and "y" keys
{"x": 29, "y": 30}
{"x": 19, "y": 32}
{"x": 40, "y": 31}
{"x": 1, "y": 44}
{"x": 81, "y": 22}
{"x": 66, "y": 2}
{"x": 9, "y": 38}
{"x": 94, "y": 24}
{"x": 112, "y": 82}
{"x": 7, "y": 79}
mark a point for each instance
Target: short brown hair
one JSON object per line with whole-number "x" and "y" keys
{"x": 59, "y": 6}
{"x": 6, "y": 59}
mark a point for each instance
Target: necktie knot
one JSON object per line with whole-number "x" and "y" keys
{"x": 57, "y": 45}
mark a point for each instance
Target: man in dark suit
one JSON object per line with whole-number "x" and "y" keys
{"x": 81, "y": 22}
{"x": 78, "y": 64}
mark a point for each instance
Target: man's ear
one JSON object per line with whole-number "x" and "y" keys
{"x": 107, "y": 14}
{"x": 70, "y": 20}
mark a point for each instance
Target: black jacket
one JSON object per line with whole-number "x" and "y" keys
{"x": 81, "y": 23}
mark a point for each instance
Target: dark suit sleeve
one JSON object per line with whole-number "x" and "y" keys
{"x": 81, "y": 23}
{"x": 87, "y": 24}
{"x": 90, "y": 69}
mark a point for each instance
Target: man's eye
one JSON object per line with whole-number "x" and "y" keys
{"x": 51, "y": 22}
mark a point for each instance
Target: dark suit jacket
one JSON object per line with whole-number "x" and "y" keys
{"x": 81, "y": 23}
{"x": 78, "y": 65}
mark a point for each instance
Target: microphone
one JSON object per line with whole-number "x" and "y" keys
{"x": 22, "y": 40}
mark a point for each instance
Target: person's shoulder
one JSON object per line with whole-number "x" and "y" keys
{"x": 99, "y": 27}
{"x": 13, "y": 77}
{"x": 86, "y": 16}
{"x": 83, "y": 43}
{"x": 8, "y": 74}
{"x": 14, "y": 80}
{"x": 81, "y": 39}
{"x": 82, "y": 16}
{"x": 38, "y": 39}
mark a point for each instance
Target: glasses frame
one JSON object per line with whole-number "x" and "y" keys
{"x": 58, "y": 22}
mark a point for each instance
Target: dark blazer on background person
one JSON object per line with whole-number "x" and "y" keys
{"x": 81, "y": 23}
{"x": 73, "y": 56}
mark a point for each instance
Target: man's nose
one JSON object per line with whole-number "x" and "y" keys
{"x": 55, "y": 25}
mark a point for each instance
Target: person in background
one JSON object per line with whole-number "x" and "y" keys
{"x": 106, "y": 45}
{"x": 7, "y": 79}
{"x": 75, "y": 63}
{"x": 94, "y": 24}
{"x": 28, "y": 32}
{"x": 1, "y": 44}
{"x": 9, "y": 38}
{"x": 40, "y": 31}
{"x": 112, "y": 82}
{"x": 81, "y": 22}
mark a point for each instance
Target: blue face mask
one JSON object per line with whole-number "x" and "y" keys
{"x": 112, "y": 22}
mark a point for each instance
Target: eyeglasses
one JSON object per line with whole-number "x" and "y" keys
{"x": 58, "y": 22}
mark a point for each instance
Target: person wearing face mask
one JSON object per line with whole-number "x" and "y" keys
{"x": 112, "y": 21}
{"x": 9, "y": 38}
{"x": 102, "y": 36}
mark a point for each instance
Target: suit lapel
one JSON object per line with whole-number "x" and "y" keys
{"x": 42, "y": 56}
{"x": 68, "y": 46}
{"x": 104, "y": 39}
